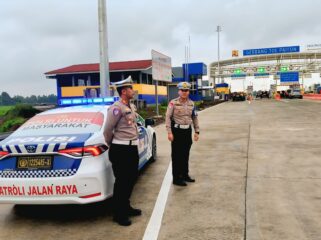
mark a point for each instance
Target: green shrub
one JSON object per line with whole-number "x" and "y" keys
{"x": 143, "y": 113}
{"x": 16, "y": 116}
{"x": 198, "y": 103}
{"x": 164, "y": 103}
{"x": 11, "y": 124}
{"x": 21, "y": 110}
{"x": 4, "y": 109}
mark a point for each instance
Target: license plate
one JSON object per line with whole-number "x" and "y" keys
{"x": 35, "y": 162}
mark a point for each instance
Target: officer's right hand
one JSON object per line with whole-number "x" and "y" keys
{"x": 170, "y": 137}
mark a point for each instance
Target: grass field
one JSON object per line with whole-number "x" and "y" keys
{"x": 4, "y": 109}
{"x": 11, "y": 117}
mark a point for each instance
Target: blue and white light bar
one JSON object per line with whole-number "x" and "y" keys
{"x": 87, "y": 101}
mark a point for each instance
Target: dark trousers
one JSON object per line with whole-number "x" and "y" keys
{"x": 181, "y": 147}
{"x": 124, "y": 159}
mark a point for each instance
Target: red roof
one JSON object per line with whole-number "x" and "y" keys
{"x": 94, "y": 67}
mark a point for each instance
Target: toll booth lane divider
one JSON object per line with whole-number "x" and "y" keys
{"x": 312, "y": 96}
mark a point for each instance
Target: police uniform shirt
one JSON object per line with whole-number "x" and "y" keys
{"x": 121, "y": 122}
{"x": 182, "y": 113}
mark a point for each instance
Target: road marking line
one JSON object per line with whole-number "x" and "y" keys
{"x": 155, "y": 221}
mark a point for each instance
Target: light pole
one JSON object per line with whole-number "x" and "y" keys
{"x": 303, "y": 72}
{"x": 218, "y": 30}
{"x": 103, "y": 50}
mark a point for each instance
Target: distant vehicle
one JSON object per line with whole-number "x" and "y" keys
{"x": 263, "y": 94}
{"x": 238, "y": 96}
{"x": 295, "y": 93}
{"x": 284, "y": 94}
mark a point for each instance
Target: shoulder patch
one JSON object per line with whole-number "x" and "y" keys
{"x": 171, "y": 104}
{"x": 116, "y": 111}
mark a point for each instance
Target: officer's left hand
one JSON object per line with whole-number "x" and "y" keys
{"x": 196, "y": 137}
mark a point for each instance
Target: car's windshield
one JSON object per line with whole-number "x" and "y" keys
{"x": 62, "y": 123}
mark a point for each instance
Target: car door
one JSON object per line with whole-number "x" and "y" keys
{"x": 143, "y": 141}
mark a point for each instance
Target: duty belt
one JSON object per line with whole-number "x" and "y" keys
{"x": 126, "y": 142}
{"x": 181, "y": 126}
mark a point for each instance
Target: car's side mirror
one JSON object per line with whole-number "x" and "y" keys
{"x": 149, "y": 122}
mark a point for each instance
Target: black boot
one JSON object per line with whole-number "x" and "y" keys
{"x": 179, "y": 182}
{"x": 187, "y": 178}
{"x": 122, "y": 221}
{"x": 132, "y": 212}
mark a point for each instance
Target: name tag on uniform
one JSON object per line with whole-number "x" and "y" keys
{"x": 129, "y": 116}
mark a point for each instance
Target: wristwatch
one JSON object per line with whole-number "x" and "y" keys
{"x": 197, "y": 133}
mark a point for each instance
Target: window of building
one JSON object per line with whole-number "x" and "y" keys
{"x": 144, "y": 79}
{"x": 81, "y": 82}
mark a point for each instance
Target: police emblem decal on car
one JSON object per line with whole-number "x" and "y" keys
{"x": 31, "y": 148}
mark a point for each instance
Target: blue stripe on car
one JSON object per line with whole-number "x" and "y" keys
{"x": 18, "y": 149}
{"x": 56, "y": 148}
{"x": 45, "y": 148}
{"x": 9, "y": 149}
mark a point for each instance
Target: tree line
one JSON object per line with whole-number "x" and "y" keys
{"x": 6, "y": 99}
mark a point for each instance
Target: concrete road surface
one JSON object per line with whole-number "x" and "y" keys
{"x": 258, "y": 176}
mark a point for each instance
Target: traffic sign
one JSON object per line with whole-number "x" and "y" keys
{"x": 287, "y": 77}
{"x": 276, "y": 50}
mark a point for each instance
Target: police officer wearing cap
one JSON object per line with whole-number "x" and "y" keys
{"x": 121, "y": 135}
{"x": 180, "y": 117}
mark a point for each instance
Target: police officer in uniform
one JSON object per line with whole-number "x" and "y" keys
{"x": 180, "y": 117}
{"x": 121, "y": 135}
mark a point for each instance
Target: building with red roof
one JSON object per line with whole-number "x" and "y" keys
{"x": 80, "y": 80}
{"x": 113, "y": 67}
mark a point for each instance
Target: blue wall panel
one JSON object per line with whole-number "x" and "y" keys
{"x": 196, "y": 68}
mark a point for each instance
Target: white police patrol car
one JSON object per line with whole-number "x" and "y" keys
{"x": 60, "y": 157}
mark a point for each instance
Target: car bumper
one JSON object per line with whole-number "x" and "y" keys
{"x": 93, "y": 182}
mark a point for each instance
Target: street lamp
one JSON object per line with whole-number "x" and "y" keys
{"x": 103, "y": 46}
{"x": 218, "y": 30}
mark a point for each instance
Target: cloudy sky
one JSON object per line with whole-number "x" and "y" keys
{"x": 41, "y": 35}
